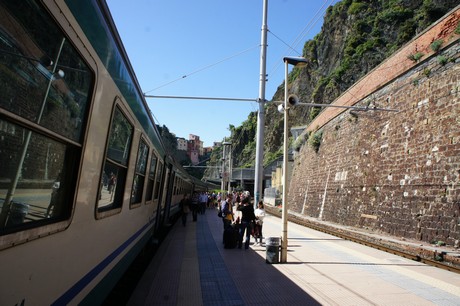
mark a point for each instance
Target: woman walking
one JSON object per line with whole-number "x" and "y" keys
{"x": 260, "y": 215}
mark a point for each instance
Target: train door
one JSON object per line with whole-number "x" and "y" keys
{"x": 169, "y": 194}
{"x": 162, "y": 196}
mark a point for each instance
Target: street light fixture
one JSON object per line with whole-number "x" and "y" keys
{"x": 297, "y": 62}
{"x": 230, "y": 168}
{"x": 225, "y": 169}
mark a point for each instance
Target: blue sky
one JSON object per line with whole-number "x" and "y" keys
{"x": 210, "y": 48}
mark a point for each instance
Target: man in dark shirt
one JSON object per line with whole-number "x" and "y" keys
{"x": 247, "y": 220}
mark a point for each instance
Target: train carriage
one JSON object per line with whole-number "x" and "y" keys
{"x": 84, "y": 178}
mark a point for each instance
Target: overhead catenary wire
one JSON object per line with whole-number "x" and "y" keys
{"x": 287, "y": 45}
{"x": 303, "y": 33}
{"x": 291, "y": 47}
{"x": 203, "y": 68}
{"x": 319, "y": 13}
{"x": 202, "y": 98}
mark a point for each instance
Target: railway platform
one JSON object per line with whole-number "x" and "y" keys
{"x": 193, "y": 268}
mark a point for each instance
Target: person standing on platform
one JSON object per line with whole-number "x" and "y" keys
{"x": 203, "y": 202}
{"x": 260, "y": 215}
{"x": 248, "y": 218}
{"x": 195, "y": 206}
{"x": 111, "y": 183}
{"x": 185, "y": 204}
{"x": 227, "y": 211}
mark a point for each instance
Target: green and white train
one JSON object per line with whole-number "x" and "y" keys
{"x": 85, "y": 181}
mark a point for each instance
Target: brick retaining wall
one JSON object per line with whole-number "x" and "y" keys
{"x": 397, "y": 173}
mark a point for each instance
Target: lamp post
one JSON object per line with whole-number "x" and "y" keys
{"x": 225, "y": 169}
{"x": 222, "y": 171}
{"x": 258, "y": 167}
{"x": 298, "y": 62}
{"x": 230, "y": 168}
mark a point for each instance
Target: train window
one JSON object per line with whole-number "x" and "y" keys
{"x": 151, "y": 179}
{"x": 116, "y": 164}
{"x": 44, "y": 96}
{"x": 43, "y": 79}
{"x": 139, "y": 176}
{"x": 37, "y": 173}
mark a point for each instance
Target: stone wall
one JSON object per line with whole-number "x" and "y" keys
{"x": 394, "y": 172}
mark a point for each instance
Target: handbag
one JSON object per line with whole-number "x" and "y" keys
{"x": 219, "y": 213}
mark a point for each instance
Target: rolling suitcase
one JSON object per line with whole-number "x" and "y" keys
{"x": 230, "y": 237}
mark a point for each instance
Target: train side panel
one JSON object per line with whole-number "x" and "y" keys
{"x": 60, "y": 258}
{"x": 85, "y": 181}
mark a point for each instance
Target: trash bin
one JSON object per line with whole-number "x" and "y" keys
{"x": 272, "y": 245}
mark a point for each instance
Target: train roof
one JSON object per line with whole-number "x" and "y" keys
{"x": 95, "y": 20}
